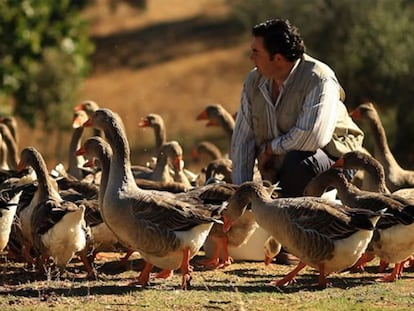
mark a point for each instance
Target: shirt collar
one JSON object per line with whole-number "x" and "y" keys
{"x": 264, "y": 82}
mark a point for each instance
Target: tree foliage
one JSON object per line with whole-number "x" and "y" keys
{"x": 43, "y": 57}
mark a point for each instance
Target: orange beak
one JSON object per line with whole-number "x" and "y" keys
{"x": 177, "y": 163}
{"x": 78, "y": 107}
{"x": 89, "y": 163}
{"x": 212, "y": 123}
{"x": 202, "y": 116}
{"x": 80, "y": 151}
{"x": 355, "y": 114}
{"x": 143, "y": 122}
{"x": 339, "y": 163}
{"x": 20, "y": 167}
{"x": 194, "y": 154}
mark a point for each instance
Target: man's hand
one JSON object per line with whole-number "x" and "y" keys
{"x": 265, "y": 156}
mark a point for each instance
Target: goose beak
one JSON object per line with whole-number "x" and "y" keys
{"x": 212, "y": 123}
{"x": 78, "y": 107}
{"x": 80, "y": 151}
{"x": 89, "y": 163}
{"x": 339, "y": 163}
{"x": 355, "y": 114}
{"x": 20, "y": 167}
{"x": 202, "y": 116}
{"x": 143, "y": 122}
{"x": 267, "y": 260}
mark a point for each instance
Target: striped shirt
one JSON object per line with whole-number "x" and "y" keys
{"x": 313, "y": 129}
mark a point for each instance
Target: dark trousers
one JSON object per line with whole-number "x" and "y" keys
{"x": 298, "y": 168}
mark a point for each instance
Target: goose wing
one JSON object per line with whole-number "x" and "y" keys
{"x": 174, "y": 214}
{"x": 328, "y": 218}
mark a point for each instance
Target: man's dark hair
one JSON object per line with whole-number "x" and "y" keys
{"x": 280, "y": 36}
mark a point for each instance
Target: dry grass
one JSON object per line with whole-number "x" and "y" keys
{"x": 241, "y": 286}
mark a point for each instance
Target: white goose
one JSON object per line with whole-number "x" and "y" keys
{"x": 57, "y": 227}
{"x": 167, "y": 232}
{"x": 324, "y": 235}
{"x": 9, "y": 199}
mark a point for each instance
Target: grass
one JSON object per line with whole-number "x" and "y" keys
{"x": 240, "y": 286}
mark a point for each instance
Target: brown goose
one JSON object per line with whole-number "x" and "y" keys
{"x": 156, "y": 122}
{"x": 393, "y": 239}
{"x": 89, "y": 106}
{"x": 206, "y": 149}
{"x": 11, "y": 153}
{"x": 57, "y": 227}
{"x": 103, "y": 238}
{"x": 271, "y": 249}
{"x": 374, "y": 170}
{"x": 324, "y": 235}
{"x": 217, "y": 115}
{"x": 167, "y": 232}
{"x": 395, "y": 176}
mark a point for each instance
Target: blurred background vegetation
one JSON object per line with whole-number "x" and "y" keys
{"x": 46, "y": 53}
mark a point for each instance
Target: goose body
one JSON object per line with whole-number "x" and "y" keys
{"x": 396, "y": 176}
{"x": 322, "y": 234}
{"x": 57, "y": 227}
{"x": 167, "y": 232}
{"x": 8, "y": 207}
{"x": 393, "y": 239}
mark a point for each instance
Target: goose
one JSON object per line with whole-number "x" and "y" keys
{"x": 9, "y": 199}
{"x": 167, "y": 232}
{"x": 75, "y": 162}
{"x": 396, "y": 177}
{"x": 271, "y": 249}
{"x": 103, "y": 238}
{"x": 57, "y": 227}
{"x": 324, "y": 235}
{"x": 169, "y": 151}
{"x": 156, "y": 122}
{"x": 89, "y": 107}
{"x": 207, "y": 150}
{"x": 12, "y": 125}
{"x": 393, "y": 239}
{"x": 11, "y": 153}
{"x": 217, "y": 115}
{"x": 374, "y": 170}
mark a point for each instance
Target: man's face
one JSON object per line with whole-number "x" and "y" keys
{"x": 261, "y": 58}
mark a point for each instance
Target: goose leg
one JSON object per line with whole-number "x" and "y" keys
{"x": 322, "y": 277}
{"x": 143, "y": 278}
{"x": 87, "y": 264}
{"x": 382, "y": 266}
{"x": 393, "y": 275}
{"x": 360, "y": 264}
{"x": 290, "y": 277}
{"x": 214, "y": 260}
{"x": 186, "y": 269}
{"x": 164, "y": 274}
{"x": 227, "y": 259}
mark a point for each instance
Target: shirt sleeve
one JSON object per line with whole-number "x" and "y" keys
{"x": 316, "y": 123}
{"x": 242, "y": 151}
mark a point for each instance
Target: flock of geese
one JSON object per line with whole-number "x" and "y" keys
{"x": 101, "y": 202}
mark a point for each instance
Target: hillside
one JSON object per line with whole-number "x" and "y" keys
{"x": 172, "y": 60}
